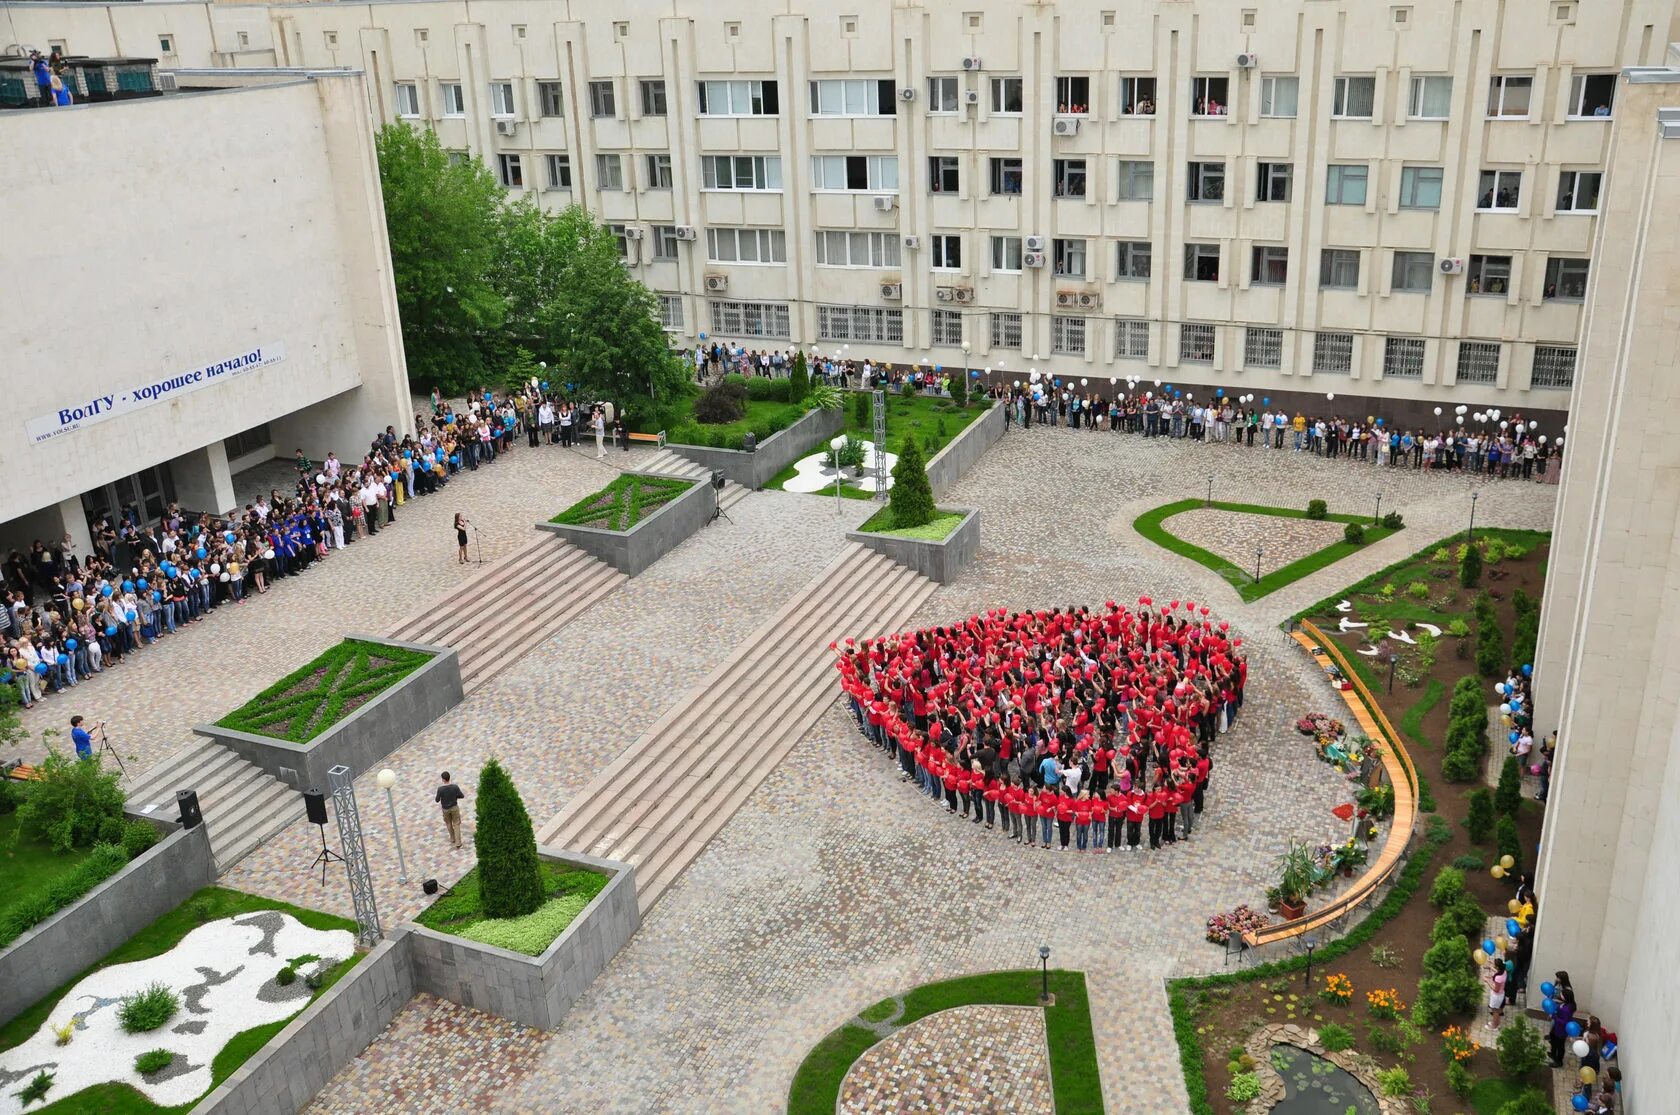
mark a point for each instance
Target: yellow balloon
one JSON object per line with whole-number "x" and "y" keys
{"x": 1481, "y": 958}
{"x": 1497, "y": 871}
{"x": 1507, "y": 862}
{"x": 1501, "y": 943}
{"x": 1513, "y": 906}
{"x": 1588, "y": 1075}
{"x": 78, "y": 603}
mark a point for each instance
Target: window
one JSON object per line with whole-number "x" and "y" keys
{"x": 1554, "y": 367}
{"x": 854, "y": 172}
{"x": 408, "y": 99}
{"x": 1067, "y": 336}
{"x": 1271, "y": 265}
{"x": 1413, "y": 272}
{"x": 1508, "y": 96}
{"x": 1338, "y": 269}
{"x": 837, "y": 248}
{"x": 509, "y": 172}
{"x": 1332, "y": 354}
{"x": 454, "y": 104}
{"x": 1006, "y": 331}
{"x": 1488, "y": 275}
{"x": 603, "y": 102}
{"x": 942, "y": 174}
{"x": 1195, "y": 343}
{"x": 1207, "y": 182}
{"x": 1070, "y": 177}
{"x": 1073, "y": 95}
{"x": 1006, "y": 95}
{"x": 749, "y": 319}
{"x": 1591, "y": 95}
{"x": 659, "y": 172}
{"x": 1137, "y": 180}
{"x": 1499, "y": 190}
{"x": 1345, "y": 184}
{"x": 1353, "y": 98}
{"x": 740, "y": 172}
{"x": 665, "y": 242}
{"x": 944, "y": 94}
{"x": 947, "y": 327}
{"x": 1131, "y": 339}
{"x": 1208, "y": 96}
{"x": 1431, "y": 98}
{"x": 947, "y": 251}
{"x": 854, "y": 97}
{"x": 166, "y": 43}
{"x": 671, "y": 312}
{"x": 1262, "y": 348}
{"x": 244, "y": 42}
{"x": 653, "y": 97}
{"x": 1274, "y": 181}
{"x": 746, "y": 245}
{"x": 1420, "y": 187}
{"x": 738, "y": 98}
{"x": 860, "y": 323}
{"x": 1578, "y": 191}
{"x": 246, "y": 441}
{"x": 1403, "y": 358}
{"x": 1137, "y": 96}
{"x": 549, "y": 98}
{"x": 1005, "y": 176}
{"x": 609, "y": 172}
{"x": 559, "y": 171}
{"x": 1279, "y": 96}
{"x": 1132, "y": 259}
{"x": 1068, "y": 256}
{"x": 1201, "y": 263}
{"x": 1566, "y": 279}
{"x": 1478, "y": 362}
{"x": 501, "y": 98}
{"x": 1006, "y": 253}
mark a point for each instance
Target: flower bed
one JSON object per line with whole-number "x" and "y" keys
{"x": 325, "y": 690}
{"x": 1239, "y": 921}
{"x": 623, "y": 503}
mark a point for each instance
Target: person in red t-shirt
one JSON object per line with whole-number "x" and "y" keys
{"x": 991, "y": 793}
{"x": 1064, "y": 820}
{"x": 1157, "y": 811}
{"x": 1046, "y": 816}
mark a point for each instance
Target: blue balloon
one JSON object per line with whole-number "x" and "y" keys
{"x": 455, "y": 459}
{"x": 201, "y": 553}
{"x": 105, "y": 591}
{"x": 1267, "y": 401}
{"x": 1487, "y": 945}
{"x": 1547, "y": 989}
{"x": 1379, "y": 421}
{"x": 111, "y": 630}
{"x": 41, "y": 668}
{"x": 1512, "y": 927}
{"x": 1578, "y": 1102}
{"x": 63, "y": 659}
{"x": 128, "y": 586}
{"x": 936, "y": 367}
{"x": 975, "y": 373}
{"x": 1219, "y": 392}
{"x": 1515, "y": 736}
{"x": 1573, "y": 1029}
{"x": 702, "y": 336}
{"x": 157, "y": 597}
{"x": 1516, "y": 703}
{"x": 142, "y": 584}
{"x": 133, "y": 615}
{"x": 6, "y": 678}
{"x": 71, "y": 643}
{"x": 545, "y": 385}
{"x": 407, "y": 453}
{"x": 1528, "y": 669}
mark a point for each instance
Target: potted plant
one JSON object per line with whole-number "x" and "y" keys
{"x": 1273, "y": 898}
{"x": 1295, "y": 879}
{"x": 1349, "y": 856}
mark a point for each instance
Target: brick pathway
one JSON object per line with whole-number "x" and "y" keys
{"x": 1233, "y": 535}
{"x": 980, "y": 1060}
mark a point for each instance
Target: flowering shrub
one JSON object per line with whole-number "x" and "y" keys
{"x": 1338, "y": 989}
{"x": 1238, "y": 921}
{"x": 1456, "y": 1044}
{"x": 1384, "y": 1004}
{"x": 1318, "y": 724}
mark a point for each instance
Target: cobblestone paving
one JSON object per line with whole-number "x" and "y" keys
{"x": 980, "y": 1060}
{"x": 1233, "y": 535}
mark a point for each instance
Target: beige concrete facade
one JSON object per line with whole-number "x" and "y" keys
{"x": 1339, "y": 134}
{"x": 1609, "y": 671}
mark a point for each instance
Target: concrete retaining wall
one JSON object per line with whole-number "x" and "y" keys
{"x": 756, "y": 469}
{"x": 365, "y": 736}
{"x": 940, "y": 561}
{"x": 632, "y": 551}
{"x": 79, "y": 936}
{"x": 532, "y": 990}
{"x": 286, "y": 1073}
{"x": 951, "y": 463}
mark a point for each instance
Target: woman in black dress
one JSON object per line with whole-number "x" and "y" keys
{"x": 461, "y": 538}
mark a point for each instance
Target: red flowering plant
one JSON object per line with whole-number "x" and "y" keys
{"x": 1243, "y": 919}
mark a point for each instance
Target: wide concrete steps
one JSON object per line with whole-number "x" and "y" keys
{"x": 511, "y": 605}
{"x": 667, "y": 462}
{"x": 659, "y": 803}
{"x": 242, "y": 804}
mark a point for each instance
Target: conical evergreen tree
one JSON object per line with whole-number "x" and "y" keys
{"x": 799, "y": 381}
{"x": 911, "y": 496}
{"x": 509, "y": 878}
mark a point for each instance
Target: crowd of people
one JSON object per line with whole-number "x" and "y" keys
{"x": 1063, "y": 729}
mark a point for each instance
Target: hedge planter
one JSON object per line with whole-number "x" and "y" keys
{"x": 938, "y": 560}
{"x": 951, "y": 463}
{"x": 403, "y": 703}
{"x": 753, "y": 470}
{"x": 651, "y": 534}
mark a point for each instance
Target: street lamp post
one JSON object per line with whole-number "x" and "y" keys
{"x": 1210, "y": 492}
{"x": 1470, "y": 535}
{"x": 1393, "y": 657}
{"x": 837, "y": 444}
{"x": 1310, "y": 942}
{"x": 1376, "y": 516}
{"x": 1259, "y": 552}
{"x": 387, "y": 779}
{"x": 1044, "y": 964}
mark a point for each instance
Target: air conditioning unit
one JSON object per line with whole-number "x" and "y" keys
{"x": 963, "y": 294}
{"x": 971, "y": 63}
{"x": 1090, "y": 300}
{"x": 506, "y": 127}
{"x": 1247, "y": 61}
{"x": 1065, "y": 126}
{"x": 166, "y": 82}
{"x": 892, "y": 290}
{"x": 687, "y": 232}
{"x": 907, "y": 94}
{"x": 1452, "y": 266}
{"x": 632, "y": 232}
{"x": 1067, "y": 299}
{"x": 885, "y": 202}
{"x": 717, "y": 284}
{"x": 1035, "y": 243}
{"x": 912, "y": 242}
{"x": 971, "y": 97}
{"x": 1033, "y": 259}
{"x": 945, "y": 293}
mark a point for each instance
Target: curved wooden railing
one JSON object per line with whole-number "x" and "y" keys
{"x": 1401, "y": 773}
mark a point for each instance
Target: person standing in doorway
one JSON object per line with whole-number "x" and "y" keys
{"x": 450, "y": 796}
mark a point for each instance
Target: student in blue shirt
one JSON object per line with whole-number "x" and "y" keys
{"x": 83, "y": 741}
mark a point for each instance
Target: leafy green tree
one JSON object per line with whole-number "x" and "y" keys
{"x": 799, "y": 380}
{"x": 1521, "y": 1052}
{"x": 1479, "y": 822}
{"x": 911, "y": 496}
{"x": 69, "y": 801}
{"x": 509, "y": 875}
{"x": 1508, "y": 797}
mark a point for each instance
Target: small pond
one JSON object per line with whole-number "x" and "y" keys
{"x": 1314, "y": 1086}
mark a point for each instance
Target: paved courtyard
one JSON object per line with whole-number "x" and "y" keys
{"x": 1235, "y": 536}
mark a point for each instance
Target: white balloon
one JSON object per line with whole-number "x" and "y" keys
{"x": 215, "y": 568}
{"x": 1542, "y": 439}
{"x": 268, "y": 555}
{"x": 1437, "y": 410}
{"x": 1017, "y": 384}
{"x": 1329, "y": 394}
{"x": 1502, "y": 425}
{"x": 1581, "y": 1048}
{"x": 224, "y": 576}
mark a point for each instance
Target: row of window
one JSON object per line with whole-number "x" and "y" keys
{"x": 1353, "y": 97}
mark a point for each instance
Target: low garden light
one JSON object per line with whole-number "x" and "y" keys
{"x": 1044, "y": 965}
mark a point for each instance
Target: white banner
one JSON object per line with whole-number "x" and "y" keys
{"x": 98, "y": 409}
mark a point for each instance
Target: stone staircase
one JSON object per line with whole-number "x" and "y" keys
{"x": 659, "y": 803}
{"x": 511, "y": 605}
{"x": 242, "y": 804}
{"x": 668, "y": 462}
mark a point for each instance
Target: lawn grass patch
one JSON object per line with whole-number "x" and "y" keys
{"x": 324, "y": 690}
{"x": 30, "y": 867}
{"x": 764, "y": 418}
{"x": 940, "y": 528}
{"x": 568, "y": 890}
{"x": 623, "y": 503}
{"x": 1491, "y": 1093}
{"x": 1149, "y": 524}
{"x": 1411, "y": 723}
{"x": 918, "y": 416}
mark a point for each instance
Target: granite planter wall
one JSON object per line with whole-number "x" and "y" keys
{"x": 364, "y": 737}
{"x": 632, "y": 551}
{"x": 951, "y": 463}
{"x": 78, "y": 936}
{"x": 532, "y": 990}
{"x": 939, "y": 561}
{"x": 756, "y": 469}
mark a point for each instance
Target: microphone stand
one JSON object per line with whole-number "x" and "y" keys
{"x": 478, "y": 544}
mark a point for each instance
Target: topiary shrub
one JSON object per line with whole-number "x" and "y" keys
{"x": 862, "y": 410}
{"x": 959, "y": 387}
{"x": 1353, "y": 534}
{"x": 1479, "y": 822}
{"x": 1522, "y": 1053}
{"x": 1490, "y": 647}
{"x": 798, "y": 380}
{"x": 1508, "y": 797}
{"x": 148, "y": 1009}
{"x": 155, "y": 1060}
{"x": 1393, "y": 520}
{"x": 286, "y": 976}
{"x": 1467, "y": 916}
{"x": 137, "y": 837}
{"x": 1317, "y": 509}
{"x": 1506, "y": 840}
{"x": 509, "y": 877}
{"x": 911, "y": 496}
{"x": 721, "y": 403}
{"x": 1470, "y": 567}
{"x": 1449, "y": 885}
{"x": 1461, "y": 765}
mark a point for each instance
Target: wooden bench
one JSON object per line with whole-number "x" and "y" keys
{"x": 651, "y": 439}
{"x": 22, "y": 771}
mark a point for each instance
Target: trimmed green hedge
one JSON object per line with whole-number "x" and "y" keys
{"x": 298, "y": 717}
{"x": 623, "y": 503}
{"x": 104, "y": 861}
